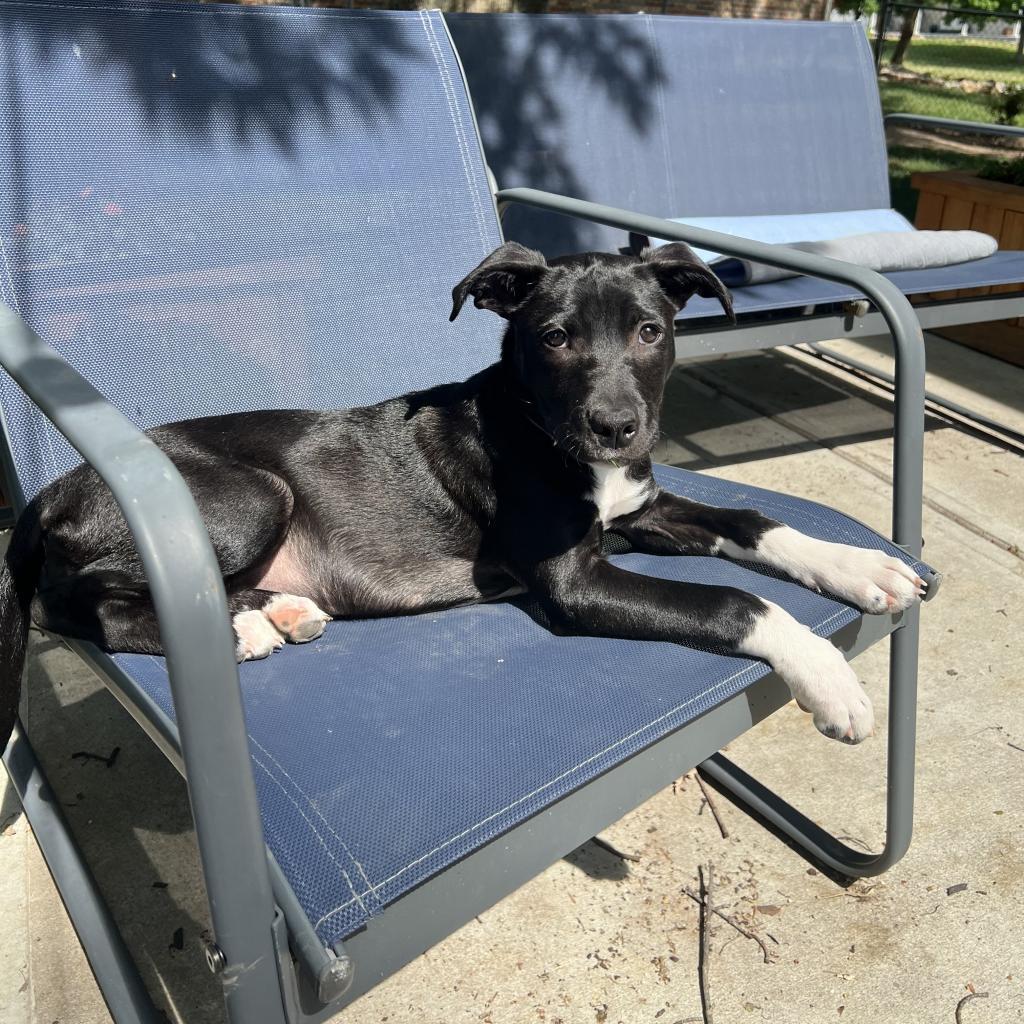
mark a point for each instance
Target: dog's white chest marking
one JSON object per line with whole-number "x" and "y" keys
{"x": 614, "y": 493}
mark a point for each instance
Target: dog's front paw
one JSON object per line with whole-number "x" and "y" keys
{"x": 827, "y": 688}
{"x": 872, "y": 580}
{"x": 843, "y": 710}
{"x": 817, "y": 675}
{"x": 297, "y": 618}
{"x": 255, "y": 635}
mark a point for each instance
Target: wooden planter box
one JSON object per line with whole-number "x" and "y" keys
{"x": 956, "y": 201}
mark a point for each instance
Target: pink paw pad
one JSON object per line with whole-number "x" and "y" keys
{"x": 297, "y": 618}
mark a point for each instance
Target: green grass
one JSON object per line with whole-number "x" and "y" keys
{"x": 934, "y": 101}
{"x": 978, "y": 59}
{"x": 906, "y": 160}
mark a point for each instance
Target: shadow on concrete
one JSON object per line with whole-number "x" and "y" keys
{"x": 598, "y": 862}
{"x": 129, "y": 813}
{"x": 715, "y": 413}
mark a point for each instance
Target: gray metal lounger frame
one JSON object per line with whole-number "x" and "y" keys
{"x": 699, "y": 340}
{"x": 254, "y": 912}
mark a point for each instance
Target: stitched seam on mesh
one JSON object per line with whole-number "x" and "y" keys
{"x": 547, "y": 785}
{"x": 316, "y": 811}
{"x": 356, "y": 896}
{"x": 702, "y": 697}
{"x": 662, "y": 111}
{"x": 459, "y": 128}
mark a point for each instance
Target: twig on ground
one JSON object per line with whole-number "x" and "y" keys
{"x": 966, "y": 999}
{"x": 85, "y": 755}
{"x": 706, "y": 910}
{"x": 732, "y": 922}
{"x": 605, "y": 845}
{"x": 713, "y": 808}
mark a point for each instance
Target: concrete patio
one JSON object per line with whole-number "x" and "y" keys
{"x": 604, "y": 938}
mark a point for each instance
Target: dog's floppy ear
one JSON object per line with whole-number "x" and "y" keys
{"x": 502, "y": 282}
{"x": 683, "y": 274}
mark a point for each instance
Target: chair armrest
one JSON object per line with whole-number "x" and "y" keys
{"x": 965, "y": 127}
{"x": 892, "y": 304}
{"x": 188, "y": 592}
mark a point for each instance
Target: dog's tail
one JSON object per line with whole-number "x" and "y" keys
{"x": 19, "y": 577}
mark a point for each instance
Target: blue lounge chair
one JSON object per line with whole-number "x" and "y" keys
{"x": 733, "y": 125}
{"x": 202, "y": 209}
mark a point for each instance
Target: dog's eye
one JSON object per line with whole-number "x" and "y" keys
{"x": 649, "y": 334}
{"x": 556, "y": 338}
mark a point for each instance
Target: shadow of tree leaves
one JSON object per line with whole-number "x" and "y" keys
{"x": 268, "y": 74}
{"x": 516, "y": 70}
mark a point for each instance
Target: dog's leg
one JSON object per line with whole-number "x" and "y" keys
{"x": 104, "y": 597}
{"x": 264, "y": 620}
{"x": 818, "y": 676}
{"x": 871, "y": 580}
{"x": 585, "y": 594}
{"x": 102, "y": 605}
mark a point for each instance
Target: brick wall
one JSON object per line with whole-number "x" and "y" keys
{"x": 808, "y": 9}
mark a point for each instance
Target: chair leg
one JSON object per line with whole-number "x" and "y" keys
{"x": 811, "y": 837}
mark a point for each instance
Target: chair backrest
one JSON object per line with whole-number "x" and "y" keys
{"x": 210, "y": 209}
{"x": 673, "y": 116}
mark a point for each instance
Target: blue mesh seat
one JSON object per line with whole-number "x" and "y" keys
{"x": 390, "y": 748}
{"x": 209, "y": 209}
{"x": 690, "y": 118}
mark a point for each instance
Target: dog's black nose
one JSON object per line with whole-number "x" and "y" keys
{"x": 613, "y": 428}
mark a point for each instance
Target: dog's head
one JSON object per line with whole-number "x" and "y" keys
{"x": 590, "y": 338}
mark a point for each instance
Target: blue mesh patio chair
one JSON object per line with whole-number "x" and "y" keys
{"x": 201, "y": 208}
{"x": 772, "y": 130}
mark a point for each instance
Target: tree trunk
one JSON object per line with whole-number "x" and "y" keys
{"x": 906, "y": 34}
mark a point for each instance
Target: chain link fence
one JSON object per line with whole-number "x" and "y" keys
{"x": 951, "y": 62}
{"x": 948, "y": 62}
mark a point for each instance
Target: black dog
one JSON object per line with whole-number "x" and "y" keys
{"x": 463, "y": 493}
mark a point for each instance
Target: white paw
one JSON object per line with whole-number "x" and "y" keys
{"x": 872, "y": 580}
{"x": 816, "y": 673}
{"x": 297, "y": 618}
{"x": 843, "y": 711}
{"x": 257, "y": 637}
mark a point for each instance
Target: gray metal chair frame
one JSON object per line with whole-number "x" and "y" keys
{"x": 698, "y": 339}
{"x": 272, "y": 965}
{"x": 962, "y": 311}
{"x": 255, "y": 915}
